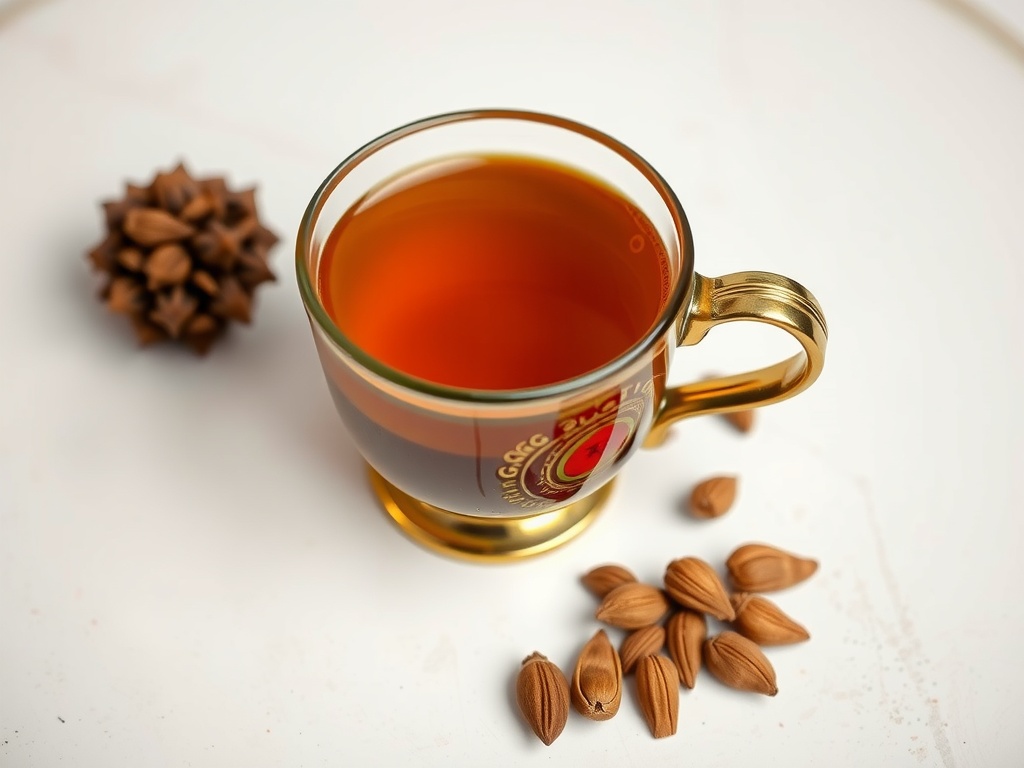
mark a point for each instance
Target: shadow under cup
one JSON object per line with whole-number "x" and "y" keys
{"x": 500, "y": 474}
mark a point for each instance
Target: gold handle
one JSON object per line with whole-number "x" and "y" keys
{"x": 760, "y": 296}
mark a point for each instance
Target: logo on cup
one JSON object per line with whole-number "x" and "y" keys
{"x": 544, "y": 470}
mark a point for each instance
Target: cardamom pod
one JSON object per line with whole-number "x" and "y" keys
{"x": 543, "y": 696}
{"x": 596, "y": 689}
{"x": 713, "y": 497}
{"x": 739, "y": 663}
{"x": 741, "y": 420}
{"x": 634, "y": 605}
{"x": 657, "y": 688}
{"x": 762, "y": 621}
{"x": 685, "y": 634}
{"x": 647, "y": 641}
{"x": 762, "y": 568}
{"x": 605, "y": 578}
{"x": 692, "y": 583}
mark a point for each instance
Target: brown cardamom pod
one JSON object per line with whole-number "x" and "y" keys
{"x": 739, "y": 663}
{"x": 761, "y": 568}
{"x": 657, "y": 688}
{"x": 692, "y": 583}
{"x": 685, "y": 634}
{"x": 743, "y": 421}
{"x": 543, "y": 696}
{"x": 713, "y": 497}
{"x": 596, "y": 689}
{"x": 605, "y": 578}
{"x": 647, "y": 641}
{"x": 633, "y": 606}
{"x": 761, "y": 620}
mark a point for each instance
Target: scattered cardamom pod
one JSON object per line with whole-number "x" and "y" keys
{"x": 634, "y": 605}
{"x": 762, "y": 621}
{"x": 739, "y": 663}
{"x": 596, "y": 689}
{"x": 713, "y": 497}
{"x": 543, "y": 696}
{"x": 605, "y": 578}
{"x": 657, "y": 688}
{"x": 743, "y": 421}
{"x": 761, "y": 568}
{"x": 647, "y": 641}
{"x": 733, "y": 657}
{"x": 685, "y": 634}
{"x": 693, "y": 583}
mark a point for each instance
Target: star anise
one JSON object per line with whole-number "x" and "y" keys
{"x": 183, "y": 257}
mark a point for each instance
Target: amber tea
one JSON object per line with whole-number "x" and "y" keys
{"x": 493, "y": 272}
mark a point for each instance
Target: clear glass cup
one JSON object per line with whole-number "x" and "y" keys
{"x": 501, "y": 474}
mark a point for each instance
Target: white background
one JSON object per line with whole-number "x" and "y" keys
{"x": 192, "y": 569}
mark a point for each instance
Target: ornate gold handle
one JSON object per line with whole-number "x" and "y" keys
{"x": 760, "y": 296}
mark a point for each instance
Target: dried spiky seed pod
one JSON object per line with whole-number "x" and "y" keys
{"x": 182, "y": 258}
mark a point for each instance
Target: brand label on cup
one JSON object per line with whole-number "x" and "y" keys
{"x": 546, "y": 469}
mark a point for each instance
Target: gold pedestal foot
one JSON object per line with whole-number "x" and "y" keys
{"x": 486, "y": 539}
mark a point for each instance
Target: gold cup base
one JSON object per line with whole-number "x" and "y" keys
{"x": 486, "y": 539}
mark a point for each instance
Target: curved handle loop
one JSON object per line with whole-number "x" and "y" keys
{"x": 760, "y": 296}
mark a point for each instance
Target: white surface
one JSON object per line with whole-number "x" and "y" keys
{"x": 192, "y": 571}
